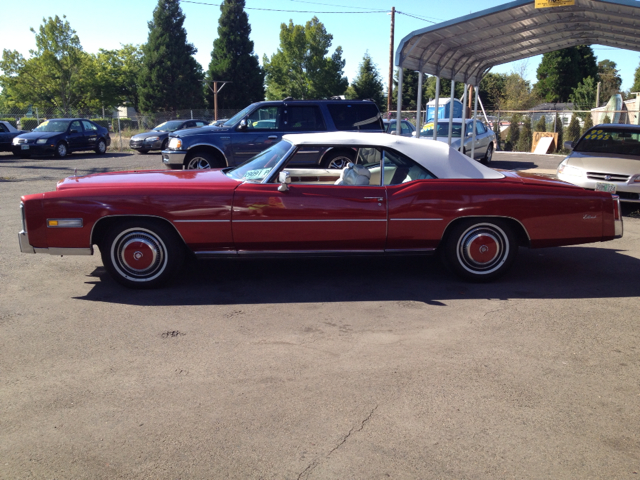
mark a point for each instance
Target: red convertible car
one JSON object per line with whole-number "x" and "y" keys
{"x": 398, "y": 195}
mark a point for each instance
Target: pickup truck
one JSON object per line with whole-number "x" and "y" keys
{"x": 262, "y": 124}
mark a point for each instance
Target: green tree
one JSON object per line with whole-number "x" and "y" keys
{"x": 588, "y": 123}
{"x": 526, "y": 136}
{"x": 410, "y": 90}
{"x": 583, "y": 96}
{"x": 541, "y": 125}
{"x": 492, "y": 87}
{"x": 560, "y": 131}
{"x": 513, "y": 135}
{"x": 57, "y": 74}
{"x": 606, "y": 119}
{"x": 573, "y": 130}
{"x": 610, "y": 80}
{"x": 232, "y": 59}
{"x": 170, "y": 78}
{"x": 445, "y": 88}
{"x": 561, "y": 71}
{"x": 636, "y": 80}
{"x": 116, "y": 76}
{"x": 300, "y": 68}
{"x": 517, "y": 94}
{"x": 368, "y": 84}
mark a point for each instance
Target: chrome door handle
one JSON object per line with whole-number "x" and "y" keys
{"x": 378, "y": 199}
{"x": 273, "y": 137}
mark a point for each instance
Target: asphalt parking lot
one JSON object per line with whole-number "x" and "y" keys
{"x": 313, "y": 369}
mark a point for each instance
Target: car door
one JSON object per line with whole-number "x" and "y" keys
{"x": 482, "y": 140}
{"x": 310, "y": 217}
{"x": 90, "y": 134}
{"x": 75, "y": 136}
{"x": 261, "y": 129}
{"x": 5, "y": 143}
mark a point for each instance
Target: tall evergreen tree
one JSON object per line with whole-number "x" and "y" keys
{"x": 410, "y": 90}
{"x": 368, "y": 83}
{"x": 573, "y": 130}
{"x": 541, "y": 125}
{"x": 561, "y": 71}
{"x": 560, "y": 131}
{"x": 610, "y": 80}
{"x": 636, "y": 80}
{"x": 170, "y": 78}
{"x": 232, "y": 59}
{"x": 300, "y": 68}
{"x": 525, "y": 139}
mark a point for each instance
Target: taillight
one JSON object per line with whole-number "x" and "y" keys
{"x": 616, "y": 207}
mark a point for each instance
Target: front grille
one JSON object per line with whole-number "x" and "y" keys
{"x": 613, "y": 177}
{"x": 136, "y": 143}
{"x": 628, "y": 196}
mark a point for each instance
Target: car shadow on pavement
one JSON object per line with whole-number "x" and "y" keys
{"x": 554, "y": 273}
{"x": 507, "y": 165}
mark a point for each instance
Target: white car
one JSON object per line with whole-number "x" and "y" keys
{"x": 485, "y": 138}
{"x": 606, "y": 158}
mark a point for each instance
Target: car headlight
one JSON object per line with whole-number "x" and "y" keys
{"x": 152, "y": 139}
{"x": 15, "y": 140}
{"x": 572, "y": 171}
{"x": 41, "y": 141}
{"x": 175, "y": 144}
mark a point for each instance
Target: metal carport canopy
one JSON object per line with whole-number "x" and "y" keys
{"x": 465, "y": 49}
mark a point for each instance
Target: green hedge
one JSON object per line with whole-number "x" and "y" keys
{"x": 103, "y": 122}
{"x": 11, "y": 120}
{"x": 27, "y": 123}
{"x": 125, "y": 124}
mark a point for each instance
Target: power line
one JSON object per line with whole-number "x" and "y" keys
{"x": 278, "y": 10}
{"x": 415, "y": 16}
{"x": 332, "y": 5}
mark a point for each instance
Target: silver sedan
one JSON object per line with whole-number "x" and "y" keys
{"x": 485, "y": 137}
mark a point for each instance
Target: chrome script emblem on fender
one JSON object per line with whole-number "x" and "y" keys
{"x": 137, "y": 255}
{"x": 589, "y": 217}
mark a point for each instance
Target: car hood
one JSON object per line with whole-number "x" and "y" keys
{"x": 36, "y": 135}
{"x": 605, "y": 163}
{"x": 181, "y": 181}
{"x": 142, "y": 136}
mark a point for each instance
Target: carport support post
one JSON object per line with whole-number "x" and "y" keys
{"x": 435, "y": 113}
{"x": 475, "y": 114}
{"x": 398, "y": 124}
{"x": 419, "y": 106}
{"x": 453, "y": 89}
{"x": 464, "y": 118}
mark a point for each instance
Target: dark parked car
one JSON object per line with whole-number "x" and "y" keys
{"x": 157, "y": 138}
{"x": 62, "y": 136}
{"x": 7, "y": 133}
{"x": 262, "y": 124}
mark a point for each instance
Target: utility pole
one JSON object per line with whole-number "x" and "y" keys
{"x": 393, "y": 18}
{"x": 598, "y": 95}
{"x": 637, "y": 94}
{"x": 215, "y": 95}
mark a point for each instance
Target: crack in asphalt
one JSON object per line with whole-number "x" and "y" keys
{"x": 353, "y": 430}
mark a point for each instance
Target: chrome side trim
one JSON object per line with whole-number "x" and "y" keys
{"x": 311, "y": 221}
{"x": 409, "y": 250}
{"x": 201, "y": 221}
{"x": 293, "y": 253}
{"x": 303, "y": 252}
{"x": 416, "y": 219}
{"x": 65, "y": 251}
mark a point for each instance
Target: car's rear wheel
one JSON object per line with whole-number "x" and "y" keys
{"x": 202, "y": 161}
{"x": 101, "y": 147}
{"x": 338, "y": 159}
{"x": 142, "y": 253}
{"x": 480, "y": 250}
{"x": 61, "y": 150}
{"x": 487, "y": 158}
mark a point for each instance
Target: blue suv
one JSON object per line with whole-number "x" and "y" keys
{"x": 262, "y": 124}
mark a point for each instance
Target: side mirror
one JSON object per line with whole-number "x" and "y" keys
{"x": 243, "y": 124}
{"x": 74, "y": 130}
{"x": 569, "y": 145}
{"x": 285, "y": 179}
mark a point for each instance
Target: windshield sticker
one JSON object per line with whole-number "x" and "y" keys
{"x": 258, "y": 173}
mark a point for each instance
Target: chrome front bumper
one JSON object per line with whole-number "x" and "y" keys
{"x": 25, "y": 247}
{"x": 173, "y": 157}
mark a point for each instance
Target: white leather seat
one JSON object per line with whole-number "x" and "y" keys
{"x": 354, "y": 175}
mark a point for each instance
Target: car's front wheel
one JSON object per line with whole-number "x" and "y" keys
{"x": 61, "y": 150}
{"x": 142, "y": 253}
{"x": 487, "y": 158}
{"x": 101, "y": 147}
{"x": 201, "y": 161}
{"x": 480, "y": 250}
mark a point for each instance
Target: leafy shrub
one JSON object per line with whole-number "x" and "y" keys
{"x": 125, "y": 124}
{"x": 103, "y": 122}
{"x": 27, "y": 123}
{"x": 526, "y": 136}
{"x": 573, "y": 130}
{"x": 541, "y": 126}
{"x": 606, "y": 119}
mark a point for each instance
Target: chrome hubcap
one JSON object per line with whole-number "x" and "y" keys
{"x": 62, "y": 150}
{"x": 102, "y": 147}
{"x": 139, "y": 255}
{"x": 482, "y": 249}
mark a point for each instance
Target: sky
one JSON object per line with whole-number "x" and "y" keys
{"x": 109, "y": 24}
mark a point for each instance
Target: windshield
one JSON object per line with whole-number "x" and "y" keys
{"x": 171, "y": 126}
{"x": 610, "y": 140}
{"x": 443, "y": 130}
{"x": 256, "y": 169}
{"x": 52, "y": 126}
{"x": 237, "y": 117}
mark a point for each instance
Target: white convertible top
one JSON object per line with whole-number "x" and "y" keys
{"x": 440, "y": 159}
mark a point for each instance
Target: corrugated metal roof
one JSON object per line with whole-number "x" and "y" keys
{"x": 467, "y": 47}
